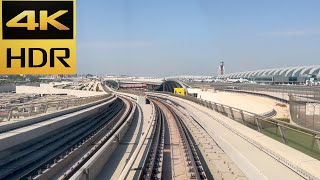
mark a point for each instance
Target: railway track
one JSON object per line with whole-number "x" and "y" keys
{"x": 62, "y": 152}
{"x": 209, "y": 151}
{"x": 153, "y": 167}
{"x": 103, "y": 136}
{"x": 36, "y": 120}
{"x": 172, "y": 153}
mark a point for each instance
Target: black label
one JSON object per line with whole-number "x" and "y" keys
{"x": 11, "y": 9}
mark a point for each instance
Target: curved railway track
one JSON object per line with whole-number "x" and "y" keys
{"x": 62, "y": 152}
{"x": 153, "y": 167}
{"x": 180, "y": 148}
{"x": 29, "y": 122}
{"x": 103, "y": 136}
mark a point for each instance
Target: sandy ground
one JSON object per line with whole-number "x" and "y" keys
{"x": 251, "y": 103}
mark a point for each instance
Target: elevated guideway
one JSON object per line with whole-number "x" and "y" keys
{"x": 58, "y": 145}
{"x": 293, "y": 150}
{"x": 257, "y": 155}
{"x": 148, "y": 135}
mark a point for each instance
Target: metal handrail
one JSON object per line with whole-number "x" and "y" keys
{"x": 281, "y": 127}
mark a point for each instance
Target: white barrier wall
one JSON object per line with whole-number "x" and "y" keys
{"x": 47, "y": 89}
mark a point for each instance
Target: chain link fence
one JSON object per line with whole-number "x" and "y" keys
{"x": 304, "y": 101}
{"x": 312, "y": 91}
{"x": 305, "y": 112}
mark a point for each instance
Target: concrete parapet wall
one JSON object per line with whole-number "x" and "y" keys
{"x": 48, "y": 89}
{"x": 92, "y": 168}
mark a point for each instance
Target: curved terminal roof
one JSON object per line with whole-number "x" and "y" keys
{"x": 302, "y": 71}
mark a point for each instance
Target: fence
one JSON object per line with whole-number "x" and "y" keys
{"x": 305, "y": 112}
{"x": 310, "y": 91}
{"x": 30, "y": 109}
{"x": 299, "y": 138}
{"x": 281, "y": 99}
{"x": 304, "y": 101}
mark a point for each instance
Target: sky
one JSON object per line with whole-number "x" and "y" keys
{"x": 190, "y": 37}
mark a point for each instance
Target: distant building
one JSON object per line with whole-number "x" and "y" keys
{"x": 221, "y": 70}
{"x": 292, "y": 75}
{"x": 89, "y": 76}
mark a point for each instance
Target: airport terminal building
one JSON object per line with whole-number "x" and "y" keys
{"x": 292, "y": 75}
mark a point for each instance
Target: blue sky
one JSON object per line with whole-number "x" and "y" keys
{"x": 191, "y": 37}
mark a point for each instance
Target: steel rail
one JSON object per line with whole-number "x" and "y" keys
{"x": 55, "y": 114}
{"x": 35, "y": 108}
{"x": 51, "y": 138}
{"x": 193, "y": 158}
{"x": 117, "y": 123}
{"x": 152, "y": 169}
{"x": 38, "y": 155}
{"x": 196, "y": 169}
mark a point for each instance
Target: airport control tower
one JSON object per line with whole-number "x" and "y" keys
{"x": 221, "y": 70}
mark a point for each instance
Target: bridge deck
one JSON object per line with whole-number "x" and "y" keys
{"x": 255, "y": 163}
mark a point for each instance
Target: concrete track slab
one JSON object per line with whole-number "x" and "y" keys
{"x": 255, "y": 163}
{"x": 113, "y": 168}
